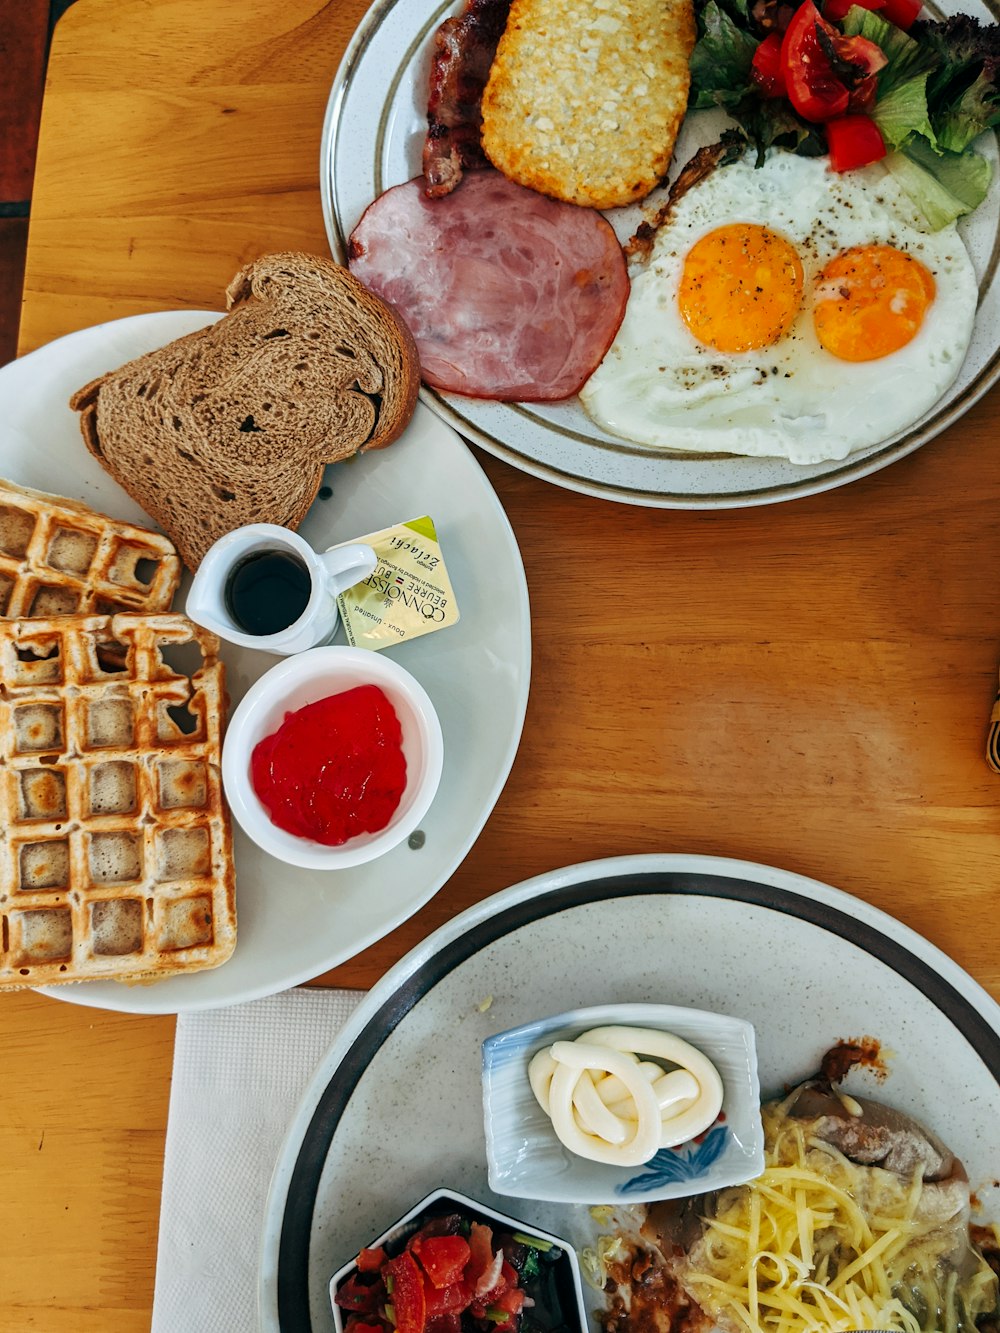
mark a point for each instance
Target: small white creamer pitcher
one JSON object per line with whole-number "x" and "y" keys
{"x": 322, "y": 576}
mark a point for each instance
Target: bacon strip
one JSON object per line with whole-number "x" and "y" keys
{"x": 464, "y": 48}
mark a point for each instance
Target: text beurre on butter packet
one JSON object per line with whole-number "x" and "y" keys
{"x": 408, "y": 593}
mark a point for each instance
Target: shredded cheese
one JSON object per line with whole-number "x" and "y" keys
{"x": 818, "y": 1244}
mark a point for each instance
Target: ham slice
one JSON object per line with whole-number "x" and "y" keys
{"x": 508, "y": 294}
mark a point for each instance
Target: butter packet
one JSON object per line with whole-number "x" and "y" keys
{"x": 407, "y": 595}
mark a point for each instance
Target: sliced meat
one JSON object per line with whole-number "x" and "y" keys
{"x": 508, "y": 294}
{"x": 464, "y": 47}
{"x": 879, "y": 1136}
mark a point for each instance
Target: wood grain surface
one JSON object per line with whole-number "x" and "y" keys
{"x": 807, "y": 684}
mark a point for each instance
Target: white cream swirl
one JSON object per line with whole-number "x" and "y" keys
{"x": 609, "y": 1106}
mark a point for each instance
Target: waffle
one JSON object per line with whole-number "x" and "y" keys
{"x": 115, "y": 853}
{"x": 57, "y": 557}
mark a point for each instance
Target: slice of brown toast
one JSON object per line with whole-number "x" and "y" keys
{"x": 234, "y": 423}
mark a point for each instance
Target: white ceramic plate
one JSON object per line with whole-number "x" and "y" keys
{"x": 396, "y": 1107}
{"x": 294, "y": 924}
{"x": 375, "y": 124}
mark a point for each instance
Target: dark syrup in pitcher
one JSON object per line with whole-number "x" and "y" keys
{"x": 267, "y": 592}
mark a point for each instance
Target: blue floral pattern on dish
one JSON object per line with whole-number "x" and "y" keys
{"x": 672, "y": 1164}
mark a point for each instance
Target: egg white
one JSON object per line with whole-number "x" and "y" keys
{"x": 659, "y": 386}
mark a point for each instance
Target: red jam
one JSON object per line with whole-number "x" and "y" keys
{"x": 334, "y": 768}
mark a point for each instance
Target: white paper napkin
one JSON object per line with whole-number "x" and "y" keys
{"x": 238, "y": 1076}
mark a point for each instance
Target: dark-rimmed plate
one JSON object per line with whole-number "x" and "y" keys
{"x": 396, "y": 1107}
{"x": 372, "y": 139}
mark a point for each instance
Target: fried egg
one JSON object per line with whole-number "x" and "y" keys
{"x": 787, "y": 311}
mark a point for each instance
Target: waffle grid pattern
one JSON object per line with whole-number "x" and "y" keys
{"x": 116, "y": 855}
{"x": 58, "y": 558}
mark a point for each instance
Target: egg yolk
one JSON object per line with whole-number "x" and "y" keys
{"x": 741, "y": 287}
{"x": 870, "y": 301}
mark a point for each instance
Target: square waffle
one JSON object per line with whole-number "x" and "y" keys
{"x": 116, "y": 858}
{"x": 57, "y": 557}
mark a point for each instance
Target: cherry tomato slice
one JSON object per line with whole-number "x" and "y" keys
{"x": 813, "y": 89}
{"x": 766, "y": 69}
{"x": 901, "y": 12}
{"x": 868, "y": 57}
{"x": 854, "y": 141}
{"x": 816, "y": 89}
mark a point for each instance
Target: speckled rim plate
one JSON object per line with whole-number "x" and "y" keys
{"x": 296, "y": 923}
{"x": 395, "y": 1109}
{"x": 372, "y": 140}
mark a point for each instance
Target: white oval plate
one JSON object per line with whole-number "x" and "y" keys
{"x": 294, "y": 924}
{"x": 395, "y": 1109}
{"x": 372, "y": 139}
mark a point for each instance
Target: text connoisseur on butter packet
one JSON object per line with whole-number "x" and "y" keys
{"x": 407, "y": 594}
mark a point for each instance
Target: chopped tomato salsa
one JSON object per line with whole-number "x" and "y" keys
{"x": 454, "y": 1275}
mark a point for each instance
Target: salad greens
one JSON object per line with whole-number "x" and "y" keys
{"x": 938, "y": 90}
{"x": 720, "y": 76}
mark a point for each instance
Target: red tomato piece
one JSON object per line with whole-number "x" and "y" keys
{"x": 407, "y": 1295}
{"x": 444, "y": 1323}
{"x": 443, "y": 1258}
{"x": 503, "y": 1311}
{"x": 494, "y": 1283}
{"x": 436, "y": 1226}
{"x": 355, "y": 1325}
{"x": 813, "y": 89}
{"x": 361, "y": 1297}
{"x": 868, "y": 57}
{"x": 765, "y": 68}
{"x": 370, "y": 1261}
{"x": 511, "y": 1300}
{"x": 854, "y": 141}
{"x": 480, "y": 1250}
{"x": 483, "y": 1268}
{"x": 901, "y": 12}
{"x": 446, "y": 1300}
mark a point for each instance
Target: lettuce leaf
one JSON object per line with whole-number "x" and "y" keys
{"x": 977, "y": 109}
{"x": 905, "y": 58}
{"x": 720, "y": 76}
{"x": 942, "y": 185}
{"x": 963, "y": 49}
{"x": 903, "y": 111}
{"x": 721, "y": 59}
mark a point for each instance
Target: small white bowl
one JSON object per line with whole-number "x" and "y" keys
{"x": 528, "y": 1161}
{"x": 567, "y": 1285}
{"x": 304, "y": 679}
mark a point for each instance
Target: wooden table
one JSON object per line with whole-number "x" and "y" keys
{"x": 811, "y": 689}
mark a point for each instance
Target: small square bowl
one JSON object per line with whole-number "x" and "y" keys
{"x": 527, "y": 1160}
{"x": 562, "y": 1312}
